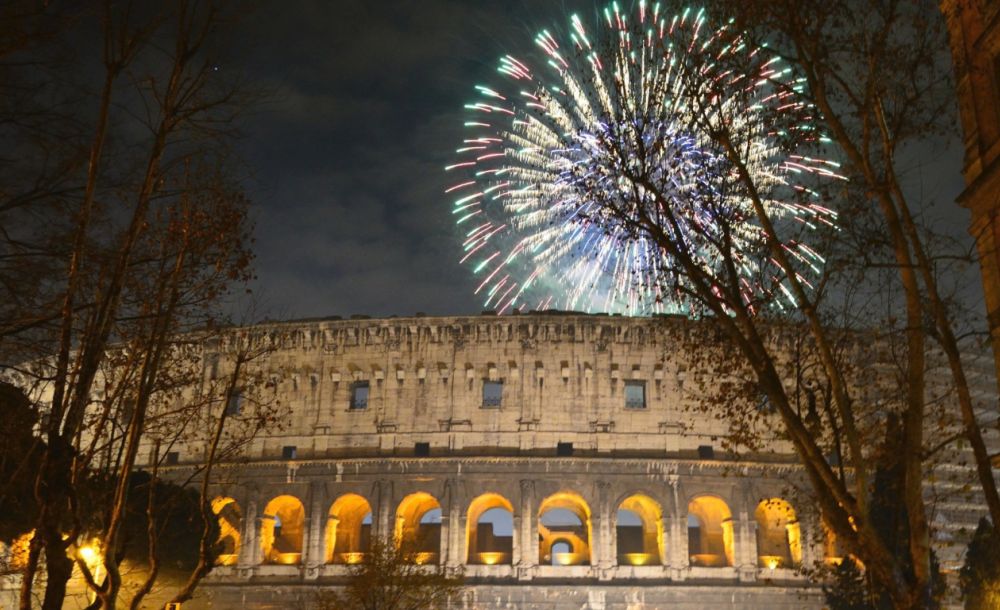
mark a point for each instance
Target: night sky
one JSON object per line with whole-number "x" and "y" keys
{"x": 363, "y": 108}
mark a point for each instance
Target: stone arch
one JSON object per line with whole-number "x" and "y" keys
{"x": 281, "y": 530}
{"x": 227, "y": 512}
{"x": 710, "y": 532}
{"x": 779, "y": 537}
{"x": 418, "y": 528}
{"x": 348, "y": 529}
{"x": 564, "y": 516}
{"x": 639, "y": 531}
{"x": 487, "y": 514}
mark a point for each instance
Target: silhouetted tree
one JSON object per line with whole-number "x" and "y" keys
{"x": 390, "y": 579}
{"x": 857, "y": 338}
{"x": 980, "y": 575}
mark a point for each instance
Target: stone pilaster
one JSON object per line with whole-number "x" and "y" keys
{"x": 315, "y": 522}
{"x": 602, "y": 548}
{"x": 745, "y": 540}
{"x": 384, "y": 526}
{"x": 677, "y": 542}
{"x": 249, "y": 544}
{"x": 515, "y": 541}
{"x": 528, "y": 532}
{"x": 451, "y": 527}
{"x": 811, "y": 539}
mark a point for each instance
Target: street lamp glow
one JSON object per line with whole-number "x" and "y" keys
{"x": 89, "y": 554}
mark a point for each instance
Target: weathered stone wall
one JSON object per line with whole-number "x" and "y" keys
{"x": 563, "y": 381}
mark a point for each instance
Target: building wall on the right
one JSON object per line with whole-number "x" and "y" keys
{"x": 974, "y": 28}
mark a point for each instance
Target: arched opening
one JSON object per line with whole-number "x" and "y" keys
{"x": 418, "y": 528}
{"x": 230, "y": 518}
{"x": 564, "y": 517}
{"x": 281, "y": 530}
{"x": 710, "y": 532}
{"x": 560, "y": 548}
{"x": 490, "y": 530}
{"x": 779, "y": 538}
{"x": 833, "y": 552}
{"x": 348, "y": 530}
{"x": 639, "y": 531}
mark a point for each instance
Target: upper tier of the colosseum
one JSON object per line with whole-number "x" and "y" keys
{"x": 486, "y": 385}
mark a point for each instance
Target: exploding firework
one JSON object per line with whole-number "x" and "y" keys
{"x": 592, "y": 135}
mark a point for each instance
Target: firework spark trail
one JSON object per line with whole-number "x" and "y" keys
{"x": 598, "y": 121}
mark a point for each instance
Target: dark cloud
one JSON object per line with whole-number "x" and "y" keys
{"x": 362, "y": 111}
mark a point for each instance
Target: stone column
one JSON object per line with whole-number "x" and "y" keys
{"x": 745, "y": 540}
{"x": 677, "y": 542}
{"x": 812, "y": 549}
{"x": 451, "y": 527}
{"x": 249, "y": 543}
{"x": 601, "y": 552}
{"x": 748, "y": 543}
{"x": 528, "y": 532}
{"x": 383, "y": 526}
{"x": 313, "y": 555}
{"x": 515, "y": 541}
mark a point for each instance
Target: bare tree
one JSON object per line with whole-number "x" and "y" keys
{"x": 159, "y": 233}
{"x": 391, "y": 579}
{"x": 862, "y": 307}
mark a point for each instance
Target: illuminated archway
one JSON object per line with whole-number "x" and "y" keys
{"x": 564, "y": 517}
{"x": 779, "y": 538}
{"x": 418, "y": 528}
{"x": 348, "y": 529}
{"x": 639, "y": 531}
{"x": 710, "y": 532}
{"x": 281, "y": 530}
{"x": 489, "y": 530}
{"x": 833, "y": 553}
{"x": 230, "y": 518}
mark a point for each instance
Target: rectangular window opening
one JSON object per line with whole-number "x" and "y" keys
{"x": 234, "y": 405}
{"x": 288, "y": 452}
{"x": 173, "y": 457}
{"x": 635, "y": 394}
{"x": 706, "y": 452}
{"x": 359, "y": 395}
{"x": 492, "y": 394}
{"x": 564, "y": 449}
{"x": 422, "y": 449}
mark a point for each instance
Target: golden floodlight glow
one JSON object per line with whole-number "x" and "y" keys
{"x": 567, "y": 559}
{"x": 707, "y": 560}
{"x": 424, "y": 558}
{"x": 491, "y": 558}
{"x": 352, "y": 558}
{"x": 637, "y": 559}
{"x": 289, "y": 559}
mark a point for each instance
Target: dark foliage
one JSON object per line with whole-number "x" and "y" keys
{"x": 980, "y": 576}
{"x": 20, "y": 455}
{"x": 389, "y": 579}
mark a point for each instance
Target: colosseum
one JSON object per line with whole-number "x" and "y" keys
{"x": 558, "y": 461}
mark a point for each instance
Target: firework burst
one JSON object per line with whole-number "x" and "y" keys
{"x": 592, "y": 137}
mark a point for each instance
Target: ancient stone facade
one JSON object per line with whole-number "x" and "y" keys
{"x": 559, "y": 460}
{"x": 974, "y": 28}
